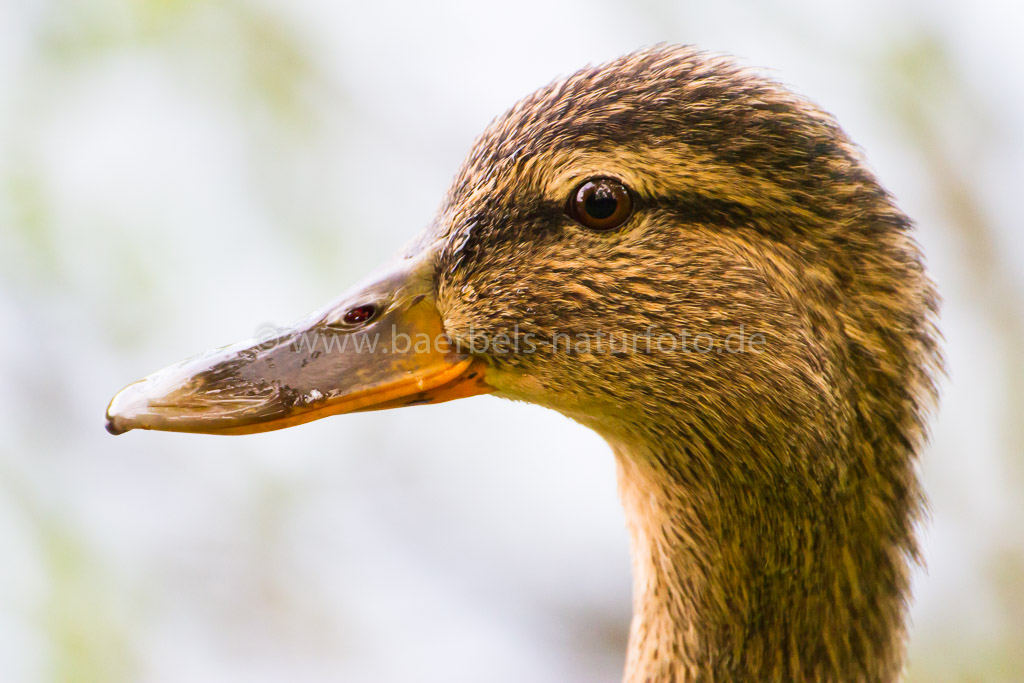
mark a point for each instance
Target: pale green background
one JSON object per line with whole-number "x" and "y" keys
{"x": 175, "y": 175}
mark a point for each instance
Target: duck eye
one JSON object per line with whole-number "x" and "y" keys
{"x": 600, "y": 204}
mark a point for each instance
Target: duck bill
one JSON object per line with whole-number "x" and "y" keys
{"x": 330, "y": 363}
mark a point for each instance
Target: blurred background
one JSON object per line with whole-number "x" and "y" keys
{"x": 176, "y": 174}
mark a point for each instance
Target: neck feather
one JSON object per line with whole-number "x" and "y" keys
{"x": 761, "y": 575}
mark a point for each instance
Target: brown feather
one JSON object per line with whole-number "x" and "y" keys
{"x": 771, "y": 495}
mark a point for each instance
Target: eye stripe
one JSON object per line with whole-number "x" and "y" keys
{"x": 685, "y": 207}
{"x": 694, "y": 207}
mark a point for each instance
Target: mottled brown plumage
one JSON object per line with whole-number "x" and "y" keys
{"x": 771, "y": 495}
{"x": 755, "y": 339}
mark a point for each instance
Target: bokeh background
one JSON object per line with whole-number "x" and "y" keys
{"x": 175, "y": 174}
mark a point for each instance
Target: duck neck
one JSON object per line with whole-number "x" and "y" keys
{"x": 743, "y": 572}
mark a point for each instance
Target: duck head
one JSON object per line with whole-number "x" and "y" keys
{"x": 696, "y": 263}
{"x": 666, "y": 232}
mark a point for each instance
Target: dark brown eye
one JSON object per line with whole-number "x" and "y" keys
{"x": 600, "y": 204}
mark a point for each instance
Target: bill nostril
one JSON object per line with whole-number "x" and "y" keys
{"x": 359, "y": 314}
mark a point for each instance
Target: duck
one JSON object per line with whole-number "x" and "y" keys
{"x": 685, "y": 256}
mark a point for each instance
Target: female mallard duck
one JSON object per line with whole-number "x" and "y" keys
{"x": 697, "y": 264}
